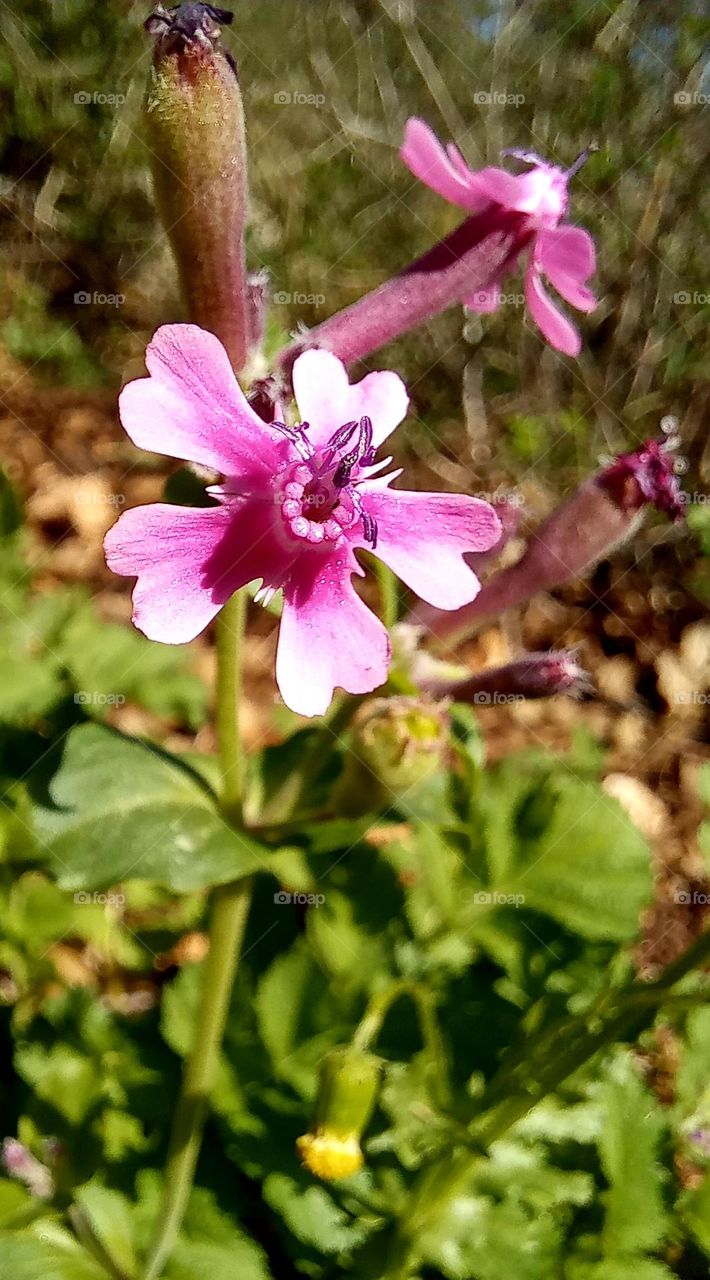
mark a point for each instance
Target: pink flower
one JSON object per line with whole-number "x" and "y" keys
{"x": 295, "y": 504}
{"x": 648, "y": 475}
{"x": 563, "y": 253}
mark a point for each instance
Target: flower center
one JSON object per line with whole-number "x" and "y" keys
{"x": 318, "y": 495}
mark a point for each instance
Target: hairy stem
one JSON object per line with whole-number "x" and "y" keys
{"x": 475, "y": 255}
{"x": 230, "y": 909}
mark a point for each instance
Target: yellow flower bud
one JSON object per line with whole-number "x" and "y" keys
{"x": 330, "y": 1157}
{"x": 347, "y": 1094}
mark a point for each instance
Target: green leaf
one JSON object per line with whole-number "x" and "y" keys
{"x": 110, "y": 663}
{"x": 109, "y": 1216}
{"x": 524, "y": 1171}
{"x": 120, "y": 809}
{"x": 16, "y": 1205}
{"x": 120, "y": 1134}
{"x": 632, "y": 1268}
{"x": 691, "y": 1086}
{"x": 313, "y": 1215}
{"x": 51, "y": 1254}
{"x": 240, "y": 1258}
{"x": 475, "y": 1237}
{"x": 416, "y": 1131}
{"x": 694, "y": 1209}
{"x": 62, "y": 1076}
{"x": 297, "y": 1018}
{"x": 635, "y": 1220}
{"x": 209, "y": 1243}
{"x": 569, "y": 851}
{"x": 30, "y": 687}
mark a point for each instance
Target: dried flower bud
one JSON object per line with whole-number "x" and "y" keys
{"x": 195, "y": 123}
{"x": 536, "y": 675}
{"x": 646, "y": 476}
{"x": 349, "y": 1082}
{"x": 603, "y": 513}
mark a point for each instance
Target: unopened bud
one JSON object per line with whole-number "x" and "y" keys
{"x": 21, "y": 1164}
{"x": 349, "y": 1083}
{"x": 196, "y": 134}
{"x": 537, "y": 675}
{"x": 603, "y": 513}
{"x": 395, "y": 743}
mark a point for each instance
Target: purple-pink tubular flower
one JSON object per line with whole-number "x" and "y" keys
{"x": 295, "y": 504}
{"x": 557, "y": 250}
{"x": 648, "y": 475}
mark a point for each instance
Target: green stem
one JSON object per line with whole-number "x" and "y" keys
{"x": 230, "y": 630}
{"x": 289, "y": 799}
{"x": 369, "y": 1026}
{"x": 371, "y": 1022}
{"x": 230, "y": 909}
{"x": 389, "y": 593}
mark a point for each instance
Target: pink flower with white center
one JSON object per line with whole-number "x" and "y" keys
{"x": 563, "y": 253}
{"x": 295, "y": 504}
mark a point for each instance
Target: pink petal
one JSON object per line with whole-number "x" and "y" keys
{"x": 189, "y": 561}
{"x": 326, "y": 399}
{"x": 458, "y": 161}
{"x": 424, "y": 155}
{"x": 559, "y": 331}
{"x": 567, "y": 249}
{"x": 423, "y": 537}
{"x": 567, "y": 256}
{"x": 192, "y": 406}
{"x": 499, "y": 186}
{"x": 328, "y": 637}
{"x": 484, "y": 300}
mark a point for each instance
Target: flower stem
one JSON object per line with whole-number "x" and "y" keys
{"x": 230, "y": 630}
{"x": 389, "y": 593}
{"x": 230, "y": 909}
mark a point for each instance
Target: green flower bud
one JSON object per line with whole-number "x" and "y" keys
{"x": 195, "y": 127}
{"x": 349, "y": 1083}
{"x": 394, "y": 744}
